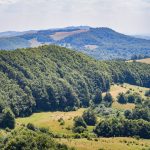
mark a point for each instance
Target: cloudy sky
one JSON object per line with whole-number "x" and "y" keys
{"x": 126, "y": 16}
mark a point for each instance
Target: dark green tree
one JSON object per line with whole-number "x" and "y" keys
{"x": 108, "y": 99}
{"x": 78, "y": 121}
{"x": 122, "y": 98}
{"x": 98, "y": 97}
{"x": 8, "y": 119}
{"x": 147, "y": 93}
{"x": 131, "y": 98}
{"x": 89, "y": 117}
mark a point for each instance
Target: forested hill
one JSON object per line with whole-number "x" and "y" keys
{"x": 56, "y": 78}
{"x": 100, "y": 43}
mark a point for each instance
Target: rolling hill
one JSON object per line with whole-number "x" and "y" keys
{"x": 100, "y": 43}
{"x": 56, "y": 78}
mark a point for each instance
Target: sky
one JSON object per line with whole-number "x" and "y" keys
{"x": 125, "y": 16}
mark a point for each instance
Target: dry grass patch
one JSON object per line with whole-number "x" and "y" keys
{"x": 107, "y": 144}
{"x": 116, "y": 89}
{"x": 146, "y": 60}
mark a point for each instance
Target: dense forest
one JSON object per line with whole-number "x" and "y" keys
{"x": 55, "y": 78}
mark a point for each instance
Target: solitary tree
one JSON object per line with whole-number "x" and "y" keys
{"x": 98, "y": 97}
{"x": 122, "y": 98}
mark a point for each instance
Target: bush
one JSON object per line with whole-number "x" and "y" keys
{"x": 79, "y": 129}
{"x": 147, "y": 93}
{"x": 31, "y": 126}
{"x": 61, "y": 120}
{"x": 108, "y": 99}
{"x": 44, "y": 130}
{"x": 7, "y": 119}
{"x": 77, "y": 136}
{"x": 131, "y": 98}
{"x": 122, "y": 99}
{"x": 89, "y": 117}
{"x": 79, "y": 122}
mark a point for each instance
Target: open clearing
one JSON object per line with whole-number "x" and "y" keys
{"x": 50, "y": 120}
{"x": 146, "y": 60}
{"x": 118, "y": 143}
{"x": 116, "y": 89}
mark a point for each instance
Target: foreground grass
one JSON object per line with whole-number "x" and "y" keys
{"x": 107, "y": 144}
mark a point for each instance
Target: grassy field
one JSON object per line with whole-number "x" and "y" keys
{"x": 146, "y": 60}
{"x": 107, "y": 144}
{"x": 116, "y": 89}
{"x": 50, "y": 120}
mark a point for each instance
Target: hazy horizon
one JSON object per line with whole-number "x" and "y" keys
{"x": 129, "y": 17}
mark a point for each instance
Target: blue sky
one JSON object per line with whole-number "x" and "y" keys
{"x": 126, "y": 16}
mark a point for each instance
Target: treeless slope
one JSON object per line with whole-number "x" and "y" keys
{"x": 61, "y": 35}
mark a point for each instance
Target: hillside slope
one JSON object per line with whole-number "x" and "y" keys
{"x": 100, "y": 43}
{"x": 56, "y": 78}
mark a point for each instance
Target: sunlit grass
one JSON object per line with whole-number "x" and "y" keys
{"x": 120, "y": 143}
{"x": 50, "y": 120}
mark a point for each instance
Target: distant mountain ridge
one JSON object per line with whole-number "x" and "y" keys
{"x": 100, "y": 43}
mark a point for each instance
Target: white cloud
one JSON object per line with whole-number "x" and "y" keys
{"x": 7, "y": 1}
{"x": 128, "y": 16}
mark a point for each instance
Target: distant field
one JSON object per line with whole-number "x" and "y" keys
{"x": 116, "y": 89}
{"x": 146, "y": 60}
{"x": 107, "y": 144}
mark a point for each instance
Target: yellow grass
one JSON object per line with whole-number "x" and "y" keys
{"x": 50, "y": 120}
{"x": 123, "y": 106}
{"x": 146, "y": 60}
{"x": 116, "y": 89}
{"x": 107, "y": 144}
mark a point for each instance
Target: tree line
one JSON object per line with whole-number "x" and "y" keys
{"x": 55, "y": 78}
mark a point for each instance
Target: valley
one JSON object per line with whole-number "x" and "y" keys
{"x": 74, "y": 75}
{"x": 46, "y": 92}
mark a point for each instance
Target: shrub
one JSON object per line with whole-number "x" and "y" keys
{"x": 108, "y": 99}
{"x": 79, "y": 129}
{"x": 79, "y": 122}
{"x": 7, "y": 119}
{"x": 122, "y": 98}
{"x": 147, "y": 93}
{"x": 31, "y": 126}
{"x": 44, "y": 130}
{"x": 89, "y": 117}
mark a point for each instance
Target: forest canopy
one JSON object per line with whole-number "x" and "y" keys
{"x": 55, "y": 78}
